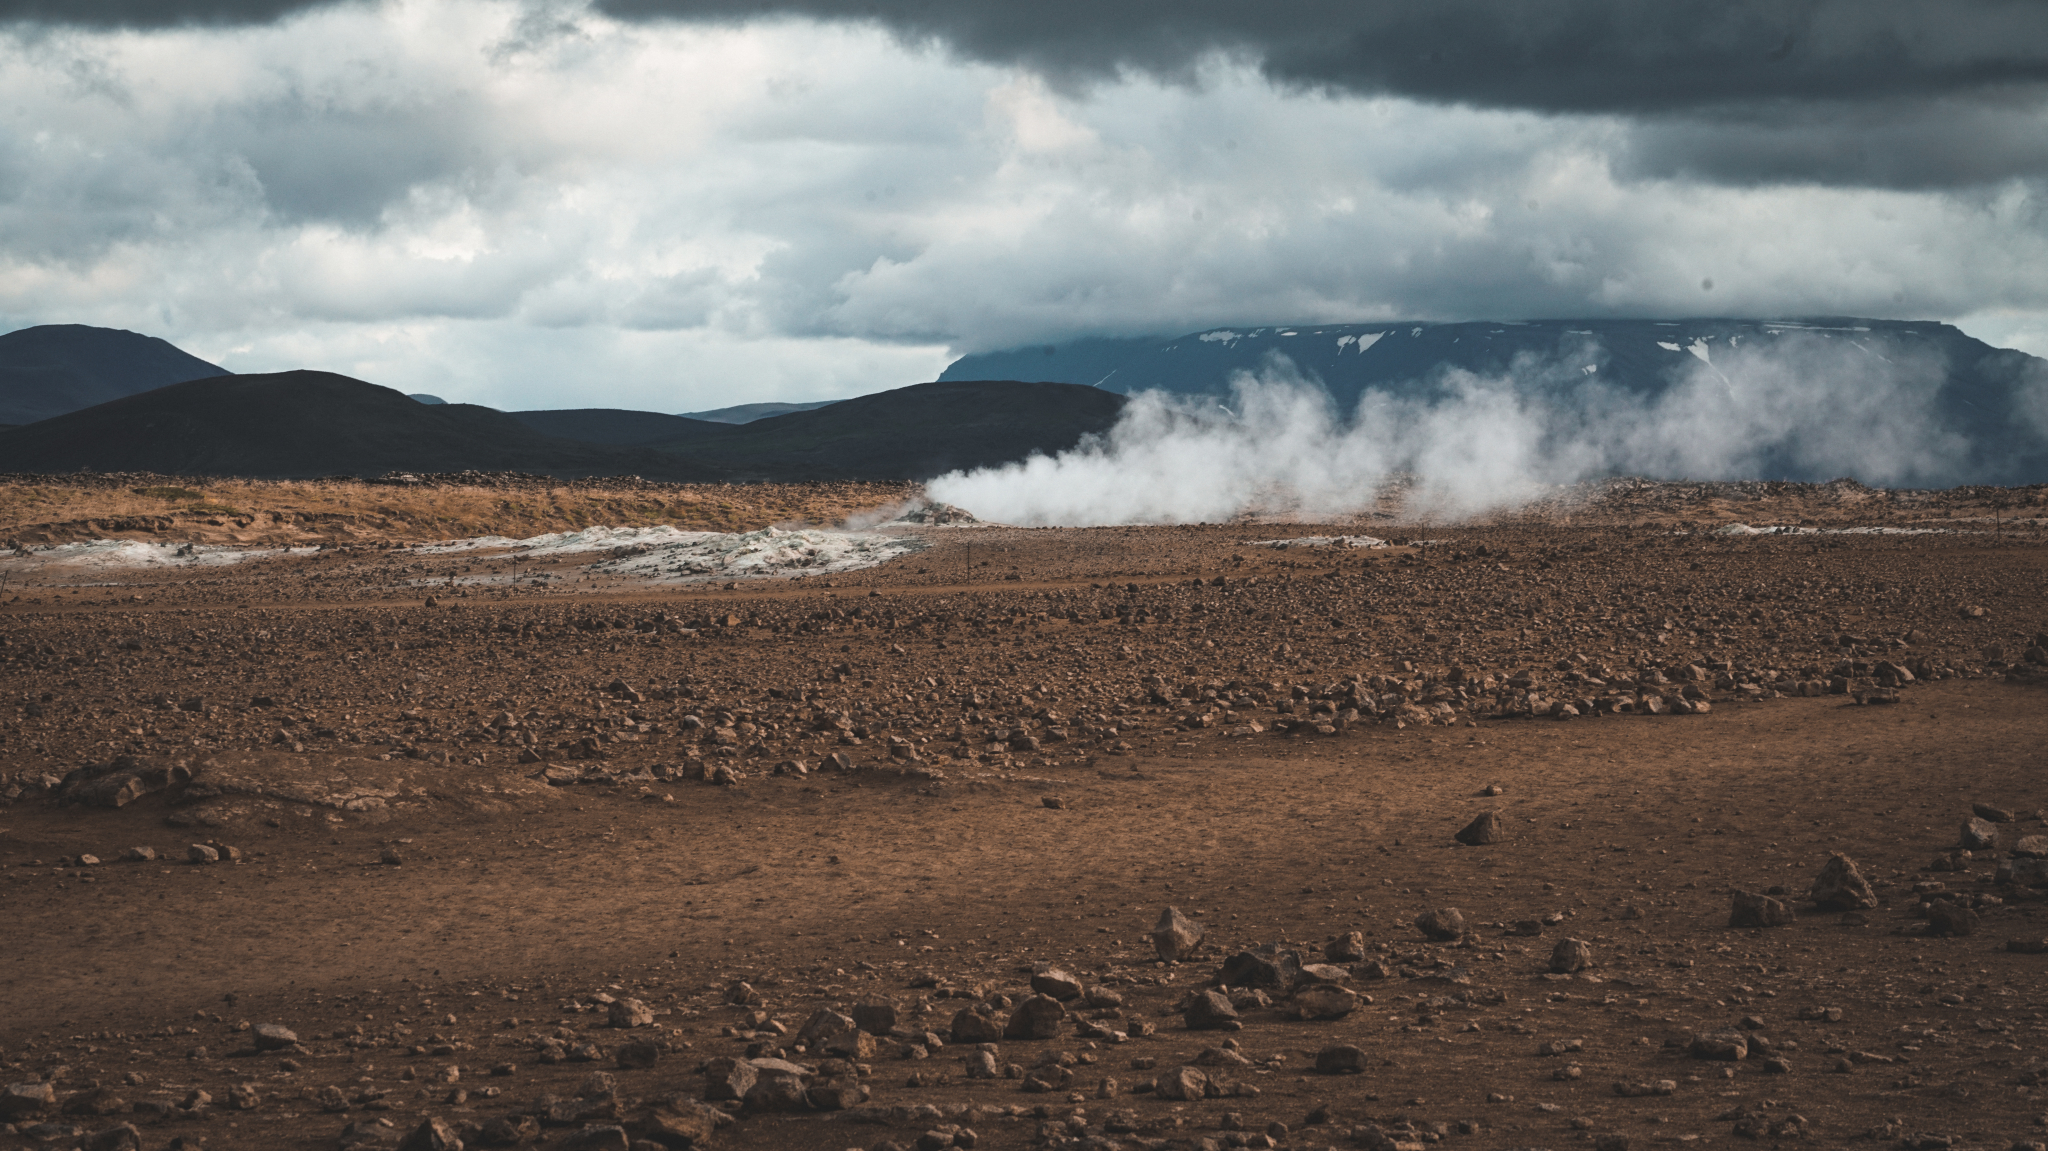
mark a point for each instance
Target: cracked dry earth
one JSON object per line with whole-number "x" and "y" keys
{"x": 299, "y": 862}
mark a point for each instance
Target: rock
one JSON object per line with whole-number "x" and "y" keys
{"x": 1209, "y": 1011}
{"x": 841, "y": 1095}
{"x": 433, "y": 1134}
{"x": 627, "y": 1013}
{"x": 827, "y": 1032}
{"x": 1176, "y": 937}
{"x": 140, "y": 855}
{"x": 1052, "y": 981}
{"x": 982, "y": 1065}
{"x": 1840, "y": 887}
{"x": 1645, "y": 1090}
{"x": 96, "y": 1101}
{"x": 728, "y": 1080}
{"x": 21, "y": 1100}
{"x": 1948, "y": 919}
{"x": 273, "y": 1036}
{"x": 1187, "y": 1084}
{"x": 2031, "y": 945}
{"x": 390, "y": 857}
{"x": 1325, "y": 1001}
{"x": 1723, "y": 1045}
{"x": 1269, "y": 966}
{"x": 1978, "y": 834}
{"x": 1571, "y": 955}
{"x": 971, "y": 1027}
{"x": 201, "y": 853}
{"x": 599, "y": 1137}
{"x": 778, "y": 1086}
{"x": 637, "y": 1054}
{"x": 120, "y": 1137}
{"x": 1341, "y": 1059}
{"x": 2031, "y": 847}
{"x": 678, "y": 1122}
{"x": 1038, "y": 1017}
{"x": 244, "y": 1097}
{"x": 876, "y": 1017}
{"x": 1346, "y": 948}
{"x": 1443, "y": 924}
{"x": 1747, "y": 909}
{"x": 1994, "y": 814}
{"x": 1481, "y": 831}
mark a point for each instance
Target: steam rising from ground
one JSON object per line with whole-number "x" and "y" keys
{"x": 1803, "y": 405}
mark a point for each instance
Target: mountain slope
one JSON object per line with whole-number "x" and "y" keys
{"x": 57, "y": 368}
{"x": 915, "y": 433}
{"x": 748, "y": 413}
{"x": 305, "y": 424}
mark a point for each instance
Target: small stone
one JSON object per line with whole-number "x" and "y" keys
{"x": 1269, "y": 966}
{"x": 433, "y": 1134}
{"x": 1346, "y": 948}
{"x": 1978, "y": 834}
{"x": 1053, "y": 802}
{"x": 637, "y": 1054}
{"x": 1748, "y": 909}
{"x": 1176, "y": 937}
{"x": 1325, "y": 1001}
{"x": 1185, "y": 1084}
{"x": 970, "y": 1027}
{"x": 389, "y": 857}
{"x": 202, "y": 853}
{"x": 1720, "y": 1045}
{"x": 627, "y": 1013}
{"x": 1950, "y": 919}
{"x": 140, "y": 855}
{"x": 875, "y": 1017}
{"x": 2031, "y": 847}
{"x": 1442, "y": 924}
{"x": 1646, "y": 1089}
{"x": 2032, "y": 945}
{"x": 1493, "y": 789}
{"x": 120, "y": 1137}
{"x": 273, "y": 1036}
{"x": 1056, "y": 983}
{"x": 20, "y": 1100}
{"x": 1340, "y": 1059}
{"x": 1209, "y": 1011}
{"x": 1994, "y": 814}
{"x": 1481, "y": 831}
{"x": 1571, "y": 955}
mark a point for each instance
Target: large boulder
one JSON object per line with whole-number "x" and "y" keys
{"x": 970, "y": 1027}
{"x": 1325, "y": 1001}
{"x": 1038, "y": 1017}
{"x": 1269, "y": 966}
{"x": 1840, "y": 887}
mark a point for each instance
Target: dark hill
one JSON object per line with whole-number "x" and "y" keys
{"x": 304, "y": 424}
{"x": 915, "y": 433}
{"x": 620, "y": 427}
{"x": 57, "y": 368}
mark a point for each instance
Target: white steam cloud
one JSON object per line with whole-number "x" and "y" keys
{"x": 1803, "y": 405}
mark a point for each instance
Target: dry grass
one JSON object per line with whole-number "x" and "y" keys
{"x": 253, "y": 511}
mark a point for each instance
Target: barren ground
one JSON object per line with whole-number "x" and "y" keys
{"x": 329, "y": 716}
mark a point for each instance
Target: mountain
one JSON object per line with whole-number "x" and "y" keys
{"x": 425, "y": 398}
{"x": 748, "y": 413}
{"x": 620, "y": 427}
{"x": 57, "y": 368}
{"x": 1985, "y": 395}
{"x": 914, "y": 433}
{"x": 305, "y": 424}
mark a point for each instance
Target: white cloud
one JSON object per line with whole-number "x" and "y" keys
{"x": 498, "y": 201}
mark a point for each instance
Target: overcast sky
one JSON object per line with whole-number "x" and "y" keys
{"x": 674, "y": 205}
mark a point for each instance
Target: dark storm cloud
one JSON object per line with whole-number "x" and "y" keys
{"x": 1570, "y": 56}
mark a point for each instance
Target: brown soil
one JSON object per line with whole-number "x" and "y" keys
{"x": 334, "y": 716}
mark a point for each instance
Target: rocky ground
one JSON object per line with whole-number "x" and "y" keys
{"x": 368, "y": 846}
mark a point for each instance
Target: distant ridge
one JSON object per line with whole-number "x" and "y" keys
{"x": 52, "y": 369}
{"x": 748, "y": 413}
{"x": 305, "y": 424}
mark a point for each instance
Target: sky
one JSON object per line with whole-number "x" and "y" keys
{"x": 676, "y": 205}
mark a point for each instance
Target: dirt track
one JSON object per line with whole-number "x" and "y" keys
{"x": 936, "y": 876}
